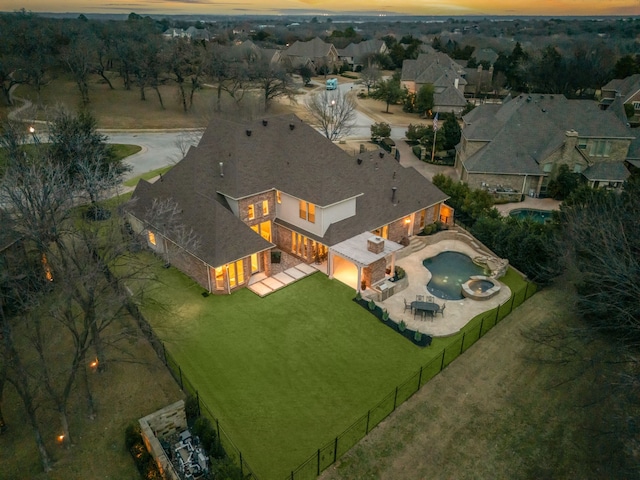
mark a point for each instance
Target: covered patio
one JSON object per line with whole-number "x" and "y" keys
{"x": 363, "y": 260}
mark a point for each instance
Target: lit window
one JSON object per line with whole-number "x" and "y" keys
{"x": 251, "y": 212}
{"x": 308, "y": 211}
{"x": 255, "y": 264}
{"x": 303, "y": 209}
{"x": 600, "y": 148}
{"x": 265, "y": 208}
{"x": 219, "y": 278}
{"x": 278, "y": 197}
{"x": 152, "y": 238}
{"x": 312, "y": 213}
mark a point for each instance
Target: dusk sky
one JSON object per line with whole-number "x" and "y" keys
{"x": 319, "y": 7}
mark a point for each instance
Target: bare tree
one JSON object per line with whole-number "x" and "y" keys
{"x": 333, "y": 113}
{"x": 370, "y": 76}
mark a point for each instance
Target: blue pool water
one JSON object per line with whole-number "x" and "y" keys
{"x": 449, "y": 270}
{"x": 540, "y": 216}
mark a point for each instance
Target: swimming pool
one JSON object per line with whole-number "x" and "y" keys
{"x": 449, "y": 270}
{"x": 540, "y": 216}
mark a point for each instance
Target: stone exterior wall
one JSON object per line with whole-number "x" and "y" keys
{"x": 166, "y": 421}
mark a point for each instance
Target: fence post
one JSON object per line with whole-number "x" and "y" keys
{"x": 218, "y": 430}
{"x": 241, "y": 469}
{"x": 198, "y": 399}
{"x": 513, "y": 299}
{"x": 419, "y": 379}
{"x": 335, "y": 450}
{"x": 395, "y": 398}
{"x": 164, "y": 354}
{"x": 442, "y": 362}
{"x": 481, "y": 325}
{"x": 291, "y": 474}
{"x": 180, "y": 372}
{"x": 318, "y": 462}
{"x": 368, "y": 416}
{"x": 526, "y": 290}
{"x": 497, "y": 315}
{"x": 462, "y": 343}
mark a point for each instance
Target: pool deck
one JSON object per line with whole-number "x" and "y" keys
{"x": 457, "y": 312}
{"x": 529, "y": 203}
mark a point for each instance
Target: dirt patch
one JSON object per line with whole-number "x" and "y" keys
{"x": 493, "y": 413}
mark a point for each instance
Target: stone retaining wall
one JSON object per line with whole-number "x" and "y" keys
{"x": 166, "y": 421}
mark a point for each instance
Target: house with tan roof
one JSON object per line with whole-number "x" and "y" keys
{"x": 360, "y": 54}
{"x": 251, "y": 188}
{"x": 518, "y": 146}
{"x": 446, "y": 76}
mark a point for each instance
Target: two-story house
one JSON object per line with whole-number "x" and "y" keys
{"x": 252, "y": 187}
{"x": 315, "y": 54}
{"x": 444, "y": 74}
{"x": 628, "y": 89}
{"x": 519, "y": 145}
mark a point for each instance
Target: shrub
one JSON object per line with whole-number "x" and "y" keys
{"x": 399, "y": 273}
{"x": 358, "y": 296}
{"x": 226, "y": 469}
{"x": 402, "y": 326}
{"x": 191, "y": 409}
{"x": 385, "y": 315}
{"x": 417, "y": 151}
{"x": 145, "y": 463}
{"x": 372, "y": 305}
{"x": 417, "y": 336}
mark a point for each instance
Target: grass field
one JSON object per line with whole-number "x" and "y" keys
{"x": 132, "y": 182}
{"x": 286, "y": 373}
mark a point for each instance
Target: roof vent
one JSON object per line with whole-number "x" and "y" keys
{"x": 381, "y": 154}
{"x": 359, "y": 161}
{"x": 221, "y": 170}
{"x": 264, "y": 122}
{"x": 393, "y": 194}
{"x": 248, "y": 132}
{"x": 292, "y": 126}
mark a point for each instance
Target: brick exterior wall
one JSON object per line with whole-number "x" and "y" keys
{"x": 374, "y": 272}
{"x": 186, "y": 263}
{"x": 398, "y": 230}
{"x": 256, "y": 201}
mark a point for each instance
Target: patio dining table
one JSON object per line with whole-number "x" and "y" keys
{"x": 424, "y": 307}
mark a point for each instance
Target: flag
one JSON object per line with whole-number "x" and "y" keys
{"x": 435, "y": 123}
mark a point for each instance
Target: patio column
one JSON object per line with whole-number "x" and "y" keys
{"x": 393, "y": 263}
{"x": 358, "y": 284}
{"x": 330, "y": 265}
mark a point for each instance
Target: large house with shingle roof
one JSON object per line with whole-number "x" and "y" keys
{"x": 315, "y": 54}
{"x": 360, "y": 54}
{"x": 519, "y": 146}
{"x": 249, "y": 188}
{"x": 628, "y": 89}
{"x": 446, "y": 76}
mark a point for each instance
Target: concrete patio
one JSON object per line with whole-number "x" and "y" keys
{"x": 457, "y": 312}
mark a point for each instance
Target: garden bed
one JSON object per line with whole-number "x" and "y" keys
{"x": 424, "y": 339}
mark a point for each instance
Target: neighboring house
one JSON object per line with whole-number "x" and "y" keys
{"x": 633, "y": 157}
{"x": 486, "y": 55}
{"x": 359, "y": 55}
{"x": 519, "y": 146}
{"x": 250, "y": 188}
{"x": 479, "y": 82}
{"x": 191, "y": 33}
{"x": 315, "y": 54}
{"x": 439, "y": 70}
{"x": 626, "y": 88}
{"x": 248, "y": 52}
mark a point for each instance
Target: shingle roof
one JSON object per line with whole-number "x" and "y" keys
{"x": 450, "y": 96}
{"x": 299, "y": 162}
{"x": 360, "y": 50}
{"x": 626, "y": 87}
{"x": 315, "y": 48}
{"x": 526, "y": 129}
{"x": 607, "y": 171}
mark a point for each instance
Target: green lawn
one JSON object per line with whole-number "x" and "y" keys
{"x": 286, "y": 373}
{"x": 132, "y": 182}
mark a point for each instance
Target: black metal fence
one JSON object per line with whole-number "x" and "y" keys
{"x": 471, "y": 333}
{"x": 187, "y": 386}
{"x": 329, "y": 453}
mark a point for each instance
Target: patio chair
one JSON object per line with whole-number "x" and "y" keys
{"x": 419, "y": 298}
{"x": 407, "y": 306}
{"x": 441, "y": 309}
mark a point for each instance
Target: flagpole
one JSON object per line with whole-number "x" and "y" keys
{"x": 435, "y": 130}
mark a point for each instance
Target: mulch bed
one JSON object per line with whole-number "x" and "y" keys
{"x": 407, "y": 333}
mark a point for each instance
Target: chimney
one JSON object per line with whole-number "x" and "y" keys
{"x": 248, "y": 132}
{"x": 456, "y": 82}
{"x": 264, "y": 122}
{"x": 359, "y": 161}
{"x": 221, "y": 164}
{"x": 393, "y": 194}
{"x": 292, "y": 126}
{"x": 375, "y": 244}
